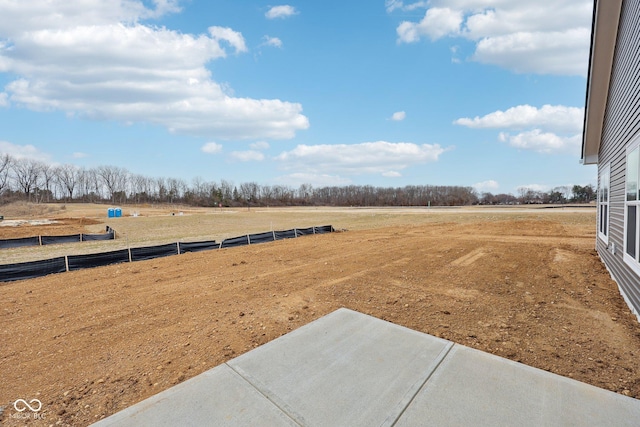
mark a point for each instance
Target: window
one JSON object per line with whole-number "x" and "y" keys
{"x": 603, "y": 203}
{"x": 632, "y": 208}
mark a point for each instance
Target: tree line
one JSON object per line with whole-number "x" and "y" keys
{"x": 35, "y": 181}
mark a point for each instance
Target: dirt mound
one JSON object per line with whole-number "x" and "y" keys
{"x": 20, "y": 210}
{"x": 56, "y": 227}
{"x": 92, "y": 342}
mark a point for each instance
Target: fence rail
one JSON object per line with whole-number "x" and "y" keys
{"x": 30, "y": 270}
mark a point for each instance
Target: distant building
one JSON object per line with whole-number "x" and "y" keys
{"x": 611, "y": 139}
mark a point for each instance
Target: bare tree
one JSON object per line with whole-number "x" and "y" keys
{"x": 6, "y": 162}
{"x": 249, "y": 191}
{"x": 305, "y": 193}
{"x": 161, "y": 189}
{"x": 91, "y": 185}
{"x": 197, "y": 187}
{"x": 140, "y": 188}
{"x": 266, "y": 194}
{"x": 26, "y": 173}
{"x": 227, "y": 191}
{"x": 48, "y": 176}
{"x": 176, "y": 189}
{"x": 67, "y": 177}
{"x": 115, "y": 181}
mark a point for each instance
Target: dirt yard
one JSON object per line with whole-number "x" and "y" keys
{"x": 527, "y": 286}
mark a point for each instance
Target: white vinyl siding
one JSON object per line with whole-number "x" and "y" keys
{"x": 619, "y": 137}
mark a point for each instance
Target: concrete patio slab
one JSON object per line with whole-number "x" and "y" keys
{"x": 350, "y": 369}
{"x": 218, "y": 397}
{"x": 474, "y": 388}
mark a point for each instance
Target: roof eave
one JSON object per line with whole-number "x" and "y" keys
{"x": 604, "y": 34}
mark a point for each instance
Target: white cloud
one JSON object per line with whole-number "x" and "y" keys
{"x": 559, "y": 52}
{"x": 79, "y": 155}
{"x": 542, "y": 142}
{"x": 260, "y": 145}
{"x": 454, "y": 55}
{"x": 247, "y": 156}
{"x": 211, "y": 148}
{"x": 392, "y": 5}
{"x": 94, "y": 59}
{"x": 485, "y": 186}
{"x": 545, "y": 37}
{"x": 398, "y": 116}
{"x": 24, "y": 152}
{"x": 366, "y": 158}
{"x": 271, "y": 41}
{"x": 234, "y": 38}
{"x": 437, "y": 23}
{"x": 283, "y": 11}
{"x": 24, "y": 16}
{"x": 392, "y": 174}
{"x": 549, "y": 129}
{"x": 558, "y": 118}
{"x": 4, "y": 99}
{"x": 533, "y": 187}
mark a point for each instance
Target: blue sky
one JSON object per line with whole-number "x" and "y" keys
{"x": 483, "y": 93}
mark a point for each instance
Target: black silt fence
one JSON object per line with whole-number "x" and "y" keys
{"x": 54, "y": 240}
{"x": 105, "y": 236}
{"x": 17, "y": 243}
{"x": 77, "y": 262}
{"x": 235, "y": 241}
{"x": 198, "y": 246}
{"x": 33, "y": 269}
{"x": 304, "y": 231}
{"x": 150, "y": 252}
{"x": 324, "y": 229}
{"x": 261, "y": 237}
{"x": 287, "y": 234}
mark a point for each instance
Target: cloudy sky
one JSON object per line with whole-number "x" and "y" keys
{"x": 483, "y": 93}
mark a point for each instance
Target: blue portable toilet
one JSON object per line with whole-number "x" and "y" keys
{"x": 118, "y": 212}
{"x": 111, "y": 212}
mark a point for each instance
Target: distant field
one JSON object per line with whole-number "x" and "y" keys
{"x": 166, "y": 224}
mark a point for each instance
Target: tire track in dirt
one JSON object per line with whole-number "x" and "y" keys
{"x": 470, "y": 258}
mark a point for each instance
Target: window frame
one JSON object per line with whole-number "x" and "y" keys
{"x": 603, "y": 203}
{"x": 633, "y": 263}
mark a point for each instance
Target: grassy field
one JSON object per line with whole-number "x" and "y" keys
{"x": 154, "y": 225}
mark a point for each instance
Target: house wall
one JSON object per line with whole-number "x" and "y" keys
{"x": 621, "y": 127}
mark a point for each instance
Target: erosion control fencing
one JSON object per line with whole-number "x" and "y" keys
{"x": 185, "y": 247}
{"x": 287, "y": 234}
{"x": 17, "y": 243}
{"x": 55, "y": 240}
{"x": 235, "y": 241}
{"x": 91, "y": 237}
{"x": 150, "y": 252}
{"x": 77, "y": 262}
{"x": 29, "y": 270}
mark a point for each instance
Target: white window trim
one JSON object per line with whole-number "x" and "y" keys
{"x": 605, "y": 171}
{"x": 630, "y": 261}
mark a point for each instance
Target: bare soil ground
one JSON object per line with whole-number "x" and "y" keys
{"x": 523, "y": 285}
